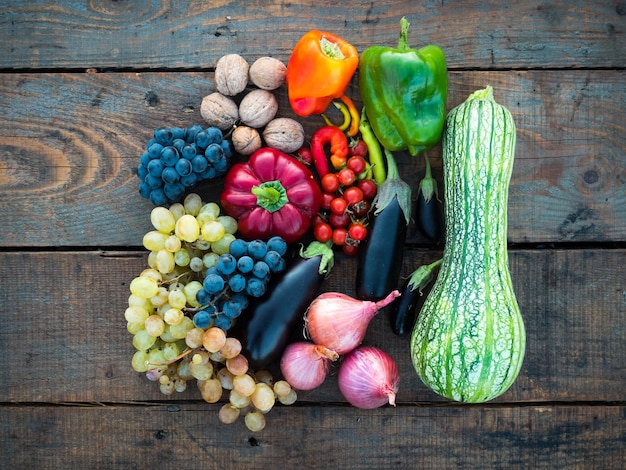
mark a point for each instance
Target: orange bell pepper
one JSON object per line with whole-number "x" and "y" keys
{"x": 318, "y": 72}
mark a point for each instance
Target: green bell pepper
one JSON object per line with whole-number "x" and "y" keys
{"x": 404, "y": 93}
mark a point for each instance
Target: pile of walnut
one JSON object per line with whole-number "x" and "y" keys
{"x": 253, "y": 120}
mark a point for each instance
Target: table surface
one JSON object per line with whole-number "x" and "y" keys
{"x": 83, "y": 86}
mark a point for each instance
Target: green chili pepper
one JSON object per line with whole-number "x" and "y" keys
{"x": 404, "y": 92}
{"x": 374, "y": 151}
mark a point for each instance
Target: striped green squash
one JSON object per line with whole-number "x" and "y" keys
{"x": 469, "y": 340}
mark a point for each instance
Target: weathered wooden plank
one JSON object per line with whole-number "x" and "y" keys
{"x": 156, "y": 34}
{"x": 64, "y": 335}
{"x": 69, "y": 145}
{"x": 186, "y": 436}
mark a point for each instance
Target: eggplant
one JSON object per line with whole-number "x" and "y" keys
{"x": 380, "y": 254}
{"x": 430, "y": 220}
{"x": 403, "y": 311}
{"x": 267, "y": 325}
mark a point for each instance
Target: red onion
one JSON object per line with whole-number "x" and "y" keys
{"x": 339, "y": 321}
{"x": 368, "y": 378}
{"x": 305, "y": 365}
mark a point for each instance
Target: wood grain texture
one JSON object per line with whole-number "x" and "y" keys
{"x": 69, "y": 328}
{"x": 82, "y": 87}
{"x": 70, "y": 143}
{"x": 183, "y": 435}
{"x": 475, "y": 34}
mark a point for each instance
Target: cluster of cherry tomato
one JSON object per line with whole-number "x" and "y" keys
{"x": 346, "y": 200}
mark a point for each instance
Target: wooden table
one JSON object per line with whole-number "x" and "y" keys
{"x": 83, "y": 86}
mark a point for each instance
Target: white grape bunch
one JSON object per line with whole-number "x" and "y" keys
{"x": 197, "y": 283}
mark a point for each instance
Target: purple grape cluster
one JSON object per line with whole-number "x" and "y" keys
{"x": 177, "y": 159}
{"x": 241, "y": 273}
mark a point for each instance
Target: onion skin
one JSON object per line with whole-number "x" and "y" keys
{"x": 305, "y": 365}
{"x": 369, "y": 378}
{"x": 339, "y": 322}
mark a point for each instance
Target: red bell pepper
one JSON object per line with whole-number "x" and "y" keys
{"x": 271, "y": 194}
{"x": 318, "y": 72}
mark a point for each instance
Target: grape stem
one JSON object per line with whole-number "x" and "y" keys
{"x": 212, "y": 303}
{"x": 175, "y": 279}
{"x": 186, "y": 352}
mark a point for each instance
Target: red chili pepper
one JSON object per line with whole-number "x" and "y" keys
{"x": 329, "y": 135}
{"x": 271, "y": 194}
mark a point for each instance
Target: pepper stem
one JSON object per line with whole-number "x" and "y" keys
{"x": 331, "y": 49}
{"x": 270, "y": 195}
{"x": 403, "y": 41}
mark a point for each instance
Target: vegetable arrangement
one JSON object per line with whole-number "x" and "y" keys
{"x": 231, "y": 297}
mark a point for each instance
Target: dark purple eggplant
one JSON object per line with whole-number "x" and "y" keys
{"x": 430, "y": 221}
{"x": 380, "y": 254}
{"x": 403, "y": 310}
{"x": 266, "y": 326}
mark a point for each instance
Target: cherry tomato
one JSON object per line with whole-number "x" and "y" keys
{"x": 361, "y": 208}
{"x": 350, "y": 249}
{"x": 369, "y": 188}
{"x": 346, "y": 176}
{"x": 338, "y": 205}
{"x": 305, "y": 154}
{"x": 339, "y": 220}
{"x": 322, "y": 232}
{"x": 357, "y": 231}
{"x": 327, "y": 198}
{"x": 317, "y": 219}
{"x": 339, "y": 236}
{"x": 353, "y": 195}
{"x": 358, "y": 150}
{"x": 330, "y": 182}
{"x": 357, "y": 164}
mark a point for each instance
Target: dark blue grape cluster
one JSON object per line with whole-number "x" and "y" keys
{"x": 241, "y": 273}
{"x": 177, "y": 159}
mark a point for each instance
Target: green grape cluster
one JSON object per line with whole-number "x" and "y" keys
{"x": 172, "y": 349}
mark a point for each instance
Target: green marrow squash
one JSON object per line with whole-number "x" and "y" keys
{"x": 469, "y": 340}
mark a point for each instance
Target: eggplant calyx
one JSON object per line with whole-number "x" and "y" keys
{"x": 424, "y": 275}
{"x": 323, "y": 250}
{"x": 428, "y": 184}
{"x": 393, "y": 187}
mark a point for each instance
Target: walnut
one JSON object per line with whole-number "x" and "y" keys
{"x": 219, "y": 111}
{"x": 284, "y": 134}
{"x": 268, "y": 73}
{"x": 258, "y": 108}
{"x": 246, "y": 140}
{"x": 231, "y": 74}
